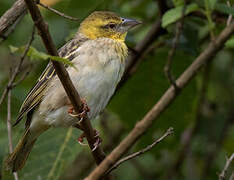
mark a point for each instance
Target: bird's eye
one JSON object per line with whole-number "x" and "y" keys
{"x": 109, "y": 26}
{"x": 112, "y": 26}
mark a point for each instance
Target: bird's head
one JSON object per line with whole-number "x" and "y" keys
{"x": 106, "y": 24}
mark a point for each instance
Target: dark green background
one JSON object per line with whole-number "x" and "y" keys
{"x": 136, "y": 97}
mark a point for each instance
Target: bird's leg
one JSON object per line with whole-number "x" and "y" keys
{"x": 81, "y": 115}
{"x": 97, "y": 142}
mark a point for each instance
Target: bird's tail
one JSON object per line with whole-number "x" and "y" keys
{"x": 17, "y": 159}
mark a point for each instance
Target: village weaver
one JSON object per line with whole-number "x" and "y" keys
{"x": 98, "y": 52}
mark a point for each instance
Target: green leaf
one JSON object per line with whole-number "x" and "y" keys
{"x": 178, "y": 2}
{"x": 35, "y": 55}
{"x": 211, "y": 4}
{"x": 13, "y": 49}
{"x": 175, "y": 14}
{"x": 221, "y": 7}
{"x": 230, "y": 43}
{"x": 63, "y": 60}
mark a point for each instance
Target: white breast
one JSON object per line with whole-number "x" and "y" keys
{"x": 99, "y": 74}
{"x": 96, "y": 79}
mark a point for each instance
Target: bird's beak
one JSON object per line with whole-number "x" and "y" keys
{"x": 129, "y": 23}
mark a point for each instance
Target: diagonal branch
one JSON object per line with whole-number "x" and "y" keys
{"x": 11, "y": 16}
{"x": 223, "y": 174}
{"x": 138, "y": 153}
{"x": 142, "y": 126}
{"x": 63, "y": 75}
{"x": 57, "y": 12}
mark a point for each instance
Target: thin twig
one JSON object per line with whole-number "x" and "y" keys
{"x": 63, "y": 75}
{"x": 229, "y": 20}
{"x": 57, "y": 12}
{"x": 9, "y": 132}
{"x": 167, "y": 68}
{"x": 17, "y": 69}
{"x": 138, "y": 153}
{"x": 169, "y": 96}
{"x": 22, "y": 78}
{"x": 223, "y": 174}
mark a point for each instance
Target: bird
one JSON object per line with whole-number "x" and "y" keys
{"x": 98, "y": 51}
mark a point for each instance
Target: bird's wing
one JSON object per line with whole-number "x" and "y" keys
{"x": 35, "y": 95}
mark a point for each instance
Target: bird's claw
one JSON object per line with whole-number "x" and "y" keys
{"x": 98, "y": 140}
{"x": 95, "y": 145}
{"x": 81, "y": 115}
{"x": 81, "y": 139}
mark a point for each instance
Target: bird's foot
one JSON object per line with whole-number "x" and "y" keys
{"x": 85, "y": 109}
{"x": 81, "y": 140}
{"x": 95, "y": 145}
{"x": 82, "y": 114}
{"x": 98, "y": 140}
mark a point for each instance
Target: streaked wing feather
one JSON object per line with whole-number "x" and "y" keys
{"x": 35, "y": 95}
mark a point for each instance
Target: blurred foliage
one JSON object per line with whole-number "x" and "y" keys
{"x": 57, "y": 148}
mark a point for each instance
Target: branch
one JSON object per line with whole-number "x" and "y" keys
{"x": 223, "y": 174}
{"x": 142, "y": 126}
{"x": 11, "y": 83}
{"x": 167, "y": 68}
{"x": 229, "y": 20}
{"x": 162, "y": 7}
{"x": 138, "y": 153}
{"x": 57, "y": 12}
{"x": 11, "y": 29}
{"x": 11, "y": 16}
{"x": 9, "y": 132}
{"x": 63, "y": 75}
